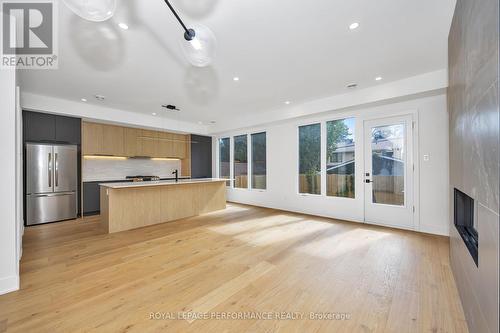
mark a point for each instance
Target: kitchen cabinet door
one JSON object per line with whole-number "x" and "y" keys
{"x": 39, "y": 127}
{"x": 68, "y": 130}
{"x": 201, "y": 156}
{"x": 165, "y": 144}
{"x": 113, "y": 140}
{"x": 91, "y": 198}
{"x": 180, "y": 146}
{"x": 149, "y": 143}
{"x": 92, "y": 139}
{"x": 132, "y": 144}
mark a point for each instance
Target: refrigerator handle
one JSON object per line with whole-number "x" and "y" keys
{"x": 57, "y": 170}
{"x": 50, "y": 169}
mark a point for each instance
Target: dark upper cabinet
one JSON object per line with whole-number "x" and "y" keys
{"x": 39, "y": 126}
{"x": 43, "y": 127}
{"x": 68, "y": 130}
{"x": 201, "y": 156}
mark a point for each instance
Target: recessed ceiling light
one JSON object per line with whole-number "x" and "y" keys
{"x": 236, "y": 78}
{"x": 123, "y": 26}
{"x": 378, "y": 78}
{"x": 352, "y": 85}
{"x": 83, "y": 99}
{"x": 354, "y": 26}
{"x": 287, "y": 102}
{"x": 154, "y": 113}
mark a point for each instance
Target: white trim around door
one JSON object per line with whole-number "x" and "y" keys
{"x": 389, "y": 171}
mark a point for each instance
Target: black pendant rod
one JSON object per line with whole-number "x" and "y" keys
{"x": 189, "y": 33}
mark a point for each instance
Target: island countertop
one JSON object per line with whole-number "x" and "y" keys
{"x": 161, "y": 183}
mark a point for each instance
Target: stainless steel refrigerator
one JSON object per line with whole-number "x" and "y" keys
{"x": 51, "y": 183}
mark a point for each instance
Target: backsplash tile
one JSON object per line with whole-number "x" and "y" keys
{"x": 104, "y": 170}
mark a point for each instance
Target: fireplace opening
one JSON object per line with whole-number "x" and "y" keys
{"x": 465, "y": 222}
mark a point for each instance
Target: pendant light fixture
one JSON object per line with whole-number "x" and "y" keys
{"x": 92, "y": 10}
{"x": 199, "y": 42}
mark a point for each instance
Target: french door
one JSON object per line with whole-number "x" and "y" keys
{"x": 388, "y": 177}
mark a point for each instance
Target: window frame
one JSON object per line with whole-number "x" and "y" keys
{"x": 230, "y": 180}
{"x": 324, "y": 139}
{"x": 233, "y": 163}
{"x": 355, "y": 157}
{"x": 297, "y": 178}
{"x": 251, "y": 163}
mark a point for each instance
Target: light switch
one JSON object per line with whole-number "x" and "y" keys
{"x": 427, "y": 158}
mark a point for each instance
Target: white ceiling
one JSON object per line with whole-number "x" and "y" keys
{"x": 281, "y": 50}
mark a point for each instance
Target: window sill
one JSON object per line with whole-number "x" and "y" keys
{"x": 309, "y": 195}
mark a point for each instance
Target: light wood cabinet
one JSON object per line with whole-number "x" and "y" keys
{"x": 132, "y": 144}
{"x": 186, "y": 161}
{"x": 149, "y": 143}
{"x": 101, "y": 139}
{"x": 92, "y": 139}
{"x": 113, "y": 140}
{"x": 179, "y": 146}
{"x": 165, "y": 144}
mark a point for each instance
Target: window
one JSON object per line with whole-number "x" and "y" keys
{"x": 310, "y": 159}
{"x": 259, "y": 161}
{"x": 240, "y": 162}
{"x": 340, "y": 152}
{"x": 224, "y": 160}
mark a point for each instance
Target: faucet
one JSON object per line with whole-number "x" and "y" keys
{"x": 176, "y": 173}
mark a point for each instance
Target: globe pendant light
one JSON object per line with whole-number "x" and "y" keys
{"x": 200, "y": 49}
{"x": 92, "y": 10}
{"x": 199, "y": 43}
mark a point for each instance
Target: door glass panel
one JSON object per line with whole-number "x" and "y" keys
{"x": 388, "y": 165}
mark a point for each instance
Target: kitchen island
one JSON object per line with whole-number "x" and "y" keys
{"x": 126, "y": 206}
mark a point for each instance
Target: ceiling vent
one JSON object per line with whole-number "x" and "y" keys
{"x": 352, "y": 85}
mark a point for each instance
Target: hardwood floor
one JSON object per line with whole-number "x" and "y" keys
{"x": 240, "y": 261}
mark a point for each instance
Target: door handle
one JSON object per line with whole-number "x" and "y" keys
{"x": 368, "y": 181}
{"x": 49, "y": 167}
{"x": 57, "y": 169}
{"x": 53, "y": 195}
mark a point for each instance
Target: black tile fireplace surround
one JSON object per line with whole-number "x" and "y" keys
{"x": 464, "y": 222}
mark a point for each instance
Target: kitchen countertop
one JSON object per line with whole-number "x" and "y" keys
{"x": 96, "y": 180}
{"x": 161, "y": 183}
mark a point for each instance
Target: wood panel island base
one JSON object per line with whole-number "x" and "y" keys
{"x": 126, "y": 206}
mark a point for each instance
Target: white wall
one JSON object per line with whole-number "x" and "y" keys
{"x": 380, "y": 93}
{"x": 9, "y": 270}
{"x": 430, "y": 114}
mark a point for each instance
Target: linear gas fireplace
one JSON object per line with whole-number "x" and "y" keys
{"x": 465, "y": 222}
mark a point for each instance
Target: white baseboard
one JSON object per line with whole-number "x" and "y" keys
{"x": 435, "y": 230}
{"x": 9, "y": 284}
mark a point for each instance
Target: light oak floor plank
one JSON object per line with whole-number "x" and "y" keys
{"x": 242, "y": 260}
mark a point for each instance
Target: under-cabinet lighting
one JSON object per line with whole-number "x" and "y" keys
{"x": 101, "y": 157}
{"x": 164, "y": 159}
